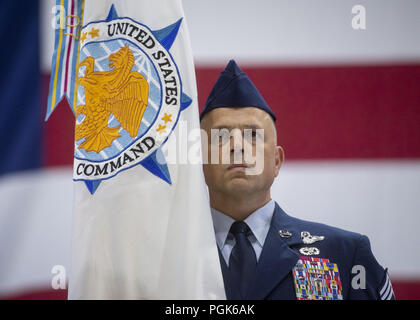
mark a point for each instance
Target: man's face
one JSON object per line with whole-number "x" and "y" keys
{"x": 240, "y": 135}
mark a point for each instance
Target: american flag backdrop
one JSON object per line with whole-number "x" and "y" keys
{"x": 346, "y": 93}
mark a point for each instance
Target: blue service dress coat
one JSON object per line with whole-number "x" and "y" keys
{"x": 281, "y": 272}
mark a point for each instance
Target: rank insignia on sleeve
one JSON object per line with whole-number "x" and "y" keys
{"x": 317, "y": 279}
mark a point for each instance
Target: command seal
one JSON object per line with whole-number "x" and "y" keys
{"x": 129, "y": 97}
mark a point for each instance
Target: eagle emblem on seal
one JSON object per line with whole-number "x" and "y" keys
{"x": 120, "y": 91}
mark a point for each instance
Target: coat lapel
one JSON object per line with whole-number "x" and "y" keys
{"x": 277, "y": 258}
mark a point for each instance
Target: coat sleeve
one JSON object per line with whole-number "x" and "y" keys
{"x": 369, "y": 280}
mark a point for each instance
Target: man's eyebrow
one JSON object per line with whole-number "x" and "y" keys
{"x": 221, "y": 127}
{"x": 244, "y": 126}
{"x": 252, "y": 126}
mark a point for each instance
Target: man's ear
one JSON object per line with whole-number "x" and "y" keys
{"x": 279, "y": 158}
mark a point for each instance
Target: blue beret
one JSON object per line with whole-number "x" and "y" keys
{"x": 233, "y": 89}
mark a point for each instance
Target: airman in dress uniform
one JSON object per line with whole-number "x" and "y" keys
{"x": 264, "y": 252}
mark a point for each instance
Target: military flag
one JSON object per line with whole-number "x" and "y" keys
{"x": 141, "y": 225}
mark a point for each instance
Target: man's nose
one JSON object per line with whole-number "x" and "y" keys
{"x": 236, "y": 142}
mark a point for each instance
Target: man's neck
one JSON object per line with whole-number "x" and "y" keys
{"x": 239, "y": 207}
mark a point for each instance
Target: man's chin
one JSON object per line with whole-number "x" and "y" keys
{"x": 239, "y": 184}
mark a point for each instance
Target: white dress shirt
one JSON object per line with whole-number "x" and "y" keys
{"x": 259, "y": 222}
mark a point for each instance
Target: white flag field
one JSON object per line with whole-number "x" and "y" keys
{"x": 142, "y": 227}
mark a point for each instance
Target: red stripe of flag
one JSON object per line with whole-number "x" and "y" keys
{"x": 340, "y": 112}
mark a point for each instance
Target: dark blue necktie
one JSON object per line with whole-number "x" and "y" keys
{"x": 242, "y": 261}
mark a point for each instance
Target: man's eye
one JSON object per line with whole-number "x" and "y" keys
{"x": 222, "y": 135}
{"x": 219, "y": 136}
{"x": 250, "y": 134}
